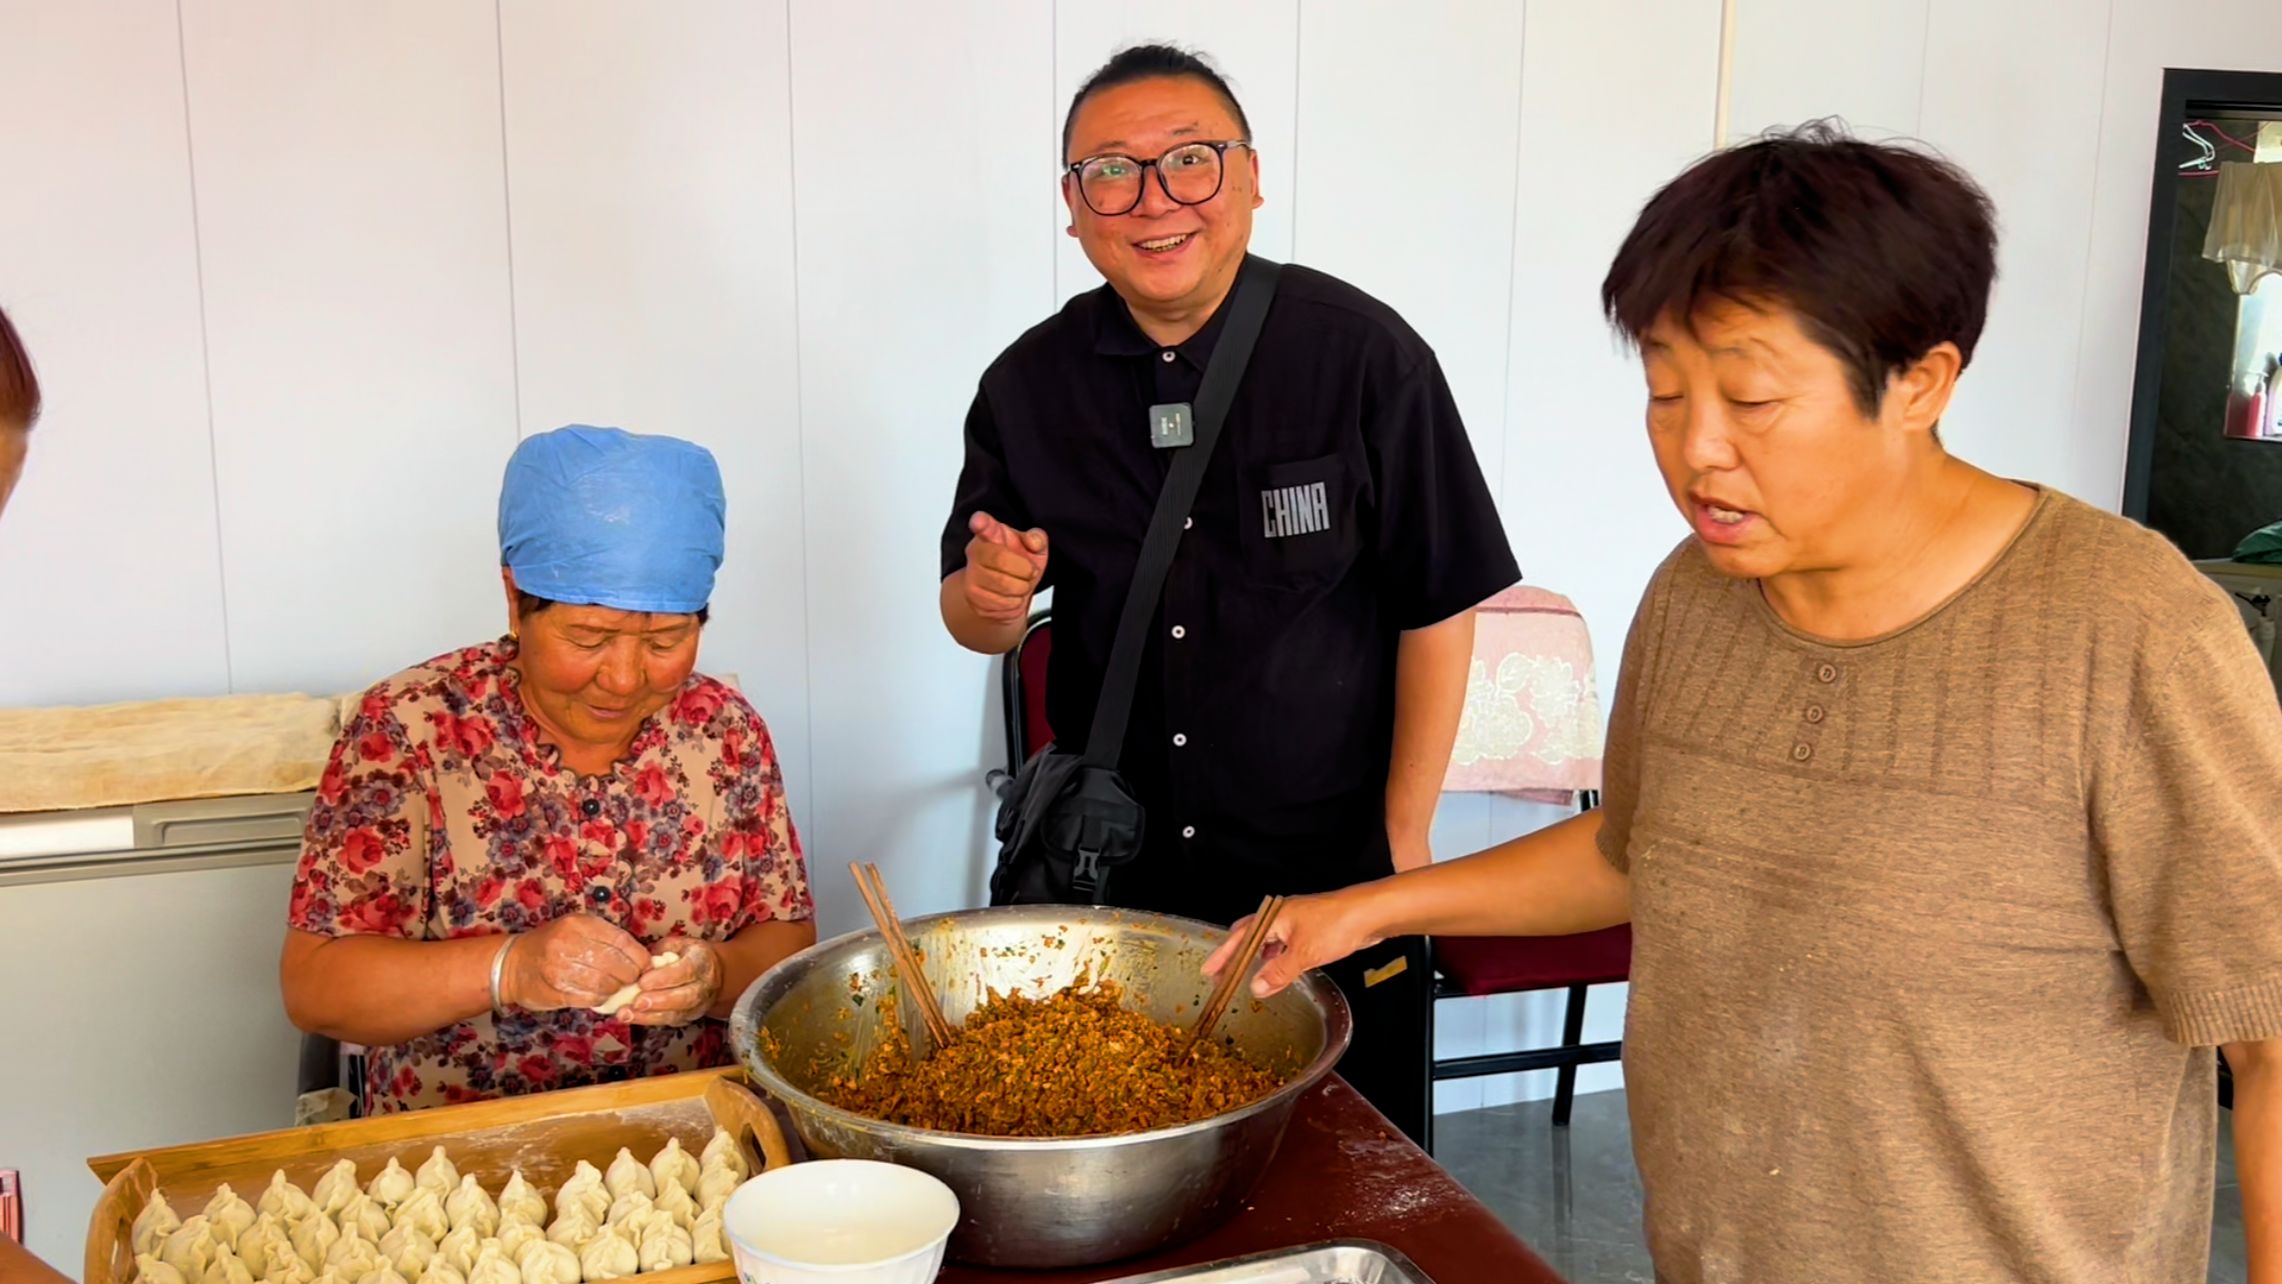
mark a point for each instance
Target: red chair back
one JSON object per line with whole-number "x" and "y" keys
{"x": 1027, "y": 729}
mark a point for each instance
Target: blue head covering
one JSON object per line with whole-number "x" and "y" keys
{"x": 606, "y": 517}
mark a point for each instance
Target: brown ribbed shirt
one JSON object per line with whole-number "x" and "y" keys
{"x": 1934, "y": 933}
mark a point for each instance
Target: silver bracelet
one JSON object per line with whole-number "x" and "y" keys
{"x": 499, "y": 965}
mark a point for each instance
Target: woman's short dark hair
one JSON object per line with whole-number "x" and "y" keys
{"x": 1152, "y": 62}
{"x": 19, "y": 387}
{"x": 532, "y": 604}
{"x": 1883, "y": 251}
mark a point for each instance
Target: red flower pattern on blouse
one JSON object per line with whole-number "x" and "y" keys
{"x": 442, "y": 814}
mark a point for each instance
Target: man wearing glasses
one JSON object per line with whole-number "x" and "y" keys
{"x": 1304, "y": 676}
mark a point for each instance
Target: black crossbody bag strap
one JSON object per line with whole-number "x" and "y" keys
{"x": 1247, "y": 311}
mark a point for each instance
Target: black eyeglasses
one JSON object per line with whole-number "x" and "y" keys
{"x": 1190, "y": 174}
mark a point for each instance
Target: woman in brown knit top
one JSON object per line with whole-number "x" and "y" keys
{"x": 1946, "y": 809}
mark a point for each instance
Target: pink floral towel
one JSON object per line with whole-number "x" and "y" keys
{"x": 1532, "y": 725}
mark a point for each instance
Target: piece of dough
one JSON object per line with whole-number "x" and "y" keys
{"x": 584, "y": 1187}
{"x": 392, "y": 1187}
{"x": 628, "y": 1175}
{"x": 471, "y": 1205}
{"x": 153, "y": 1225}
{"x": 574, "y": 1225}
{"x": 364, "y": 1215}
{"x": 715, "y": 1184}
{"x": 724, "y": 1150}
{"x": 314, "y": 1236}
{"x": 438, "y": 1174}
{"x": 673, "y": 1166}
{"x": 265, "y": 1245}
{"x": 150, "y": 1270}
{"x": 492, "y": 1267}
{"x": 676, "y": 1203}
{"x": 458, "y": 1251}
{"x": 608, "y": 1256}
{"x": 515, "y": 1235}
{"x": 425, "y": 1212}
{"x": 443, "y": 1273}
{"x": 284, "y": 1198}
{"x": 664, "y": 1243}
{"x": 408, "y": 1249}
{"x": 708, "y": 1241}
{"x": 543, "y": 1262}
{"x": 518, "y": 1200}
{"x": 337, "y": 1187}
{"x": 291, "y": 1270}
{"x": 227, "y": 1269}
{"x": 625, "y": 995}
{"x": 628, "y": 1207}
{"x": 189, "y": 1248}
{"x": 352, "y": 1255}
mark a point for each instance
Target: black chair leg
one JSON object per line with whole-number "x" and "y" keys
{"x": 1565, "y": 1078}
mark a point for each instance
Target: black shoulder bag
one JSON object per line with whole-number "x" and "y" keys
{"x": 1068, "y": 820}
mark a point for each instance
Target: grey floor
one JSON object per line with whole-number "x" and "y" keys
{"x": 1571, "y": 1193}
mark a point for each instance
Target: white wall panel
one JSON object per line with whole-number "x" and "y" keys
{"x": 1415, "y": 205}
{"x": 919, "y": 260}
{"x": 353, "y": 225}
{"x": 1800, "y": 60}
{"x": 650, "y": 183}
{"x": 1256, "y": 47}
{"x": 2024, "y": 129}
{"x": 110, "y": 578}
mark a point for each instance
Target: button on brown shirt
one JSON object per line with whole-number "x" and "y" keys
{"x": 1934, "y": 934}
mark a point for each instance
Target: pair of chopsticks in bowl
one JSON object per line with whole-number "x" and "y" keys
{"x": 1239, "y": 969}
{"x": 874, "y": 891}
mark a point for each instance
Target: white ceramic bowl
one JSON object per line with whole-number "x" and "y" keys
{"x": 840, "y": 1221}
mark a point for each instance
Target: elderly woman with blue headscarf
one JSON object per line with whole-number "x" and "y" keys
{"x": 556, "y": 858}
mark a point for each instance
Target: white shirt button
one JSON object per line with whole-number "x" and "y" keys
{"x": 1187, "y": 522}
{"x": 1168, "y": 358}
{"x": 1180, "y": 741}
{"x": 1188, "y": 831}
{"x": 1179, "y": 632}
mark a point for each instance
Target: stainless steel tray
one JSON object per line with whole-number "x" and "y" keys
{"x": 1345, "y": 1261}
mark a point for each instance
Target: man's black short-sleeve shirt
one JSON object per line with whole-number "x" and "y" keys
{"x": 1342, "y": 506}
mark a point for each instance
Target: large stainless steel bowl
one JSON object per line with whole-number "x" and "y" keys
{"x": 1054, "y": 1202}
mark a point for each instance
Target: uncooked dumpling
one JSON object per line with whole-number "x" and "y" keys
{"x": 150, "y": 1270}
{"x": 715, "y": 1184}
{"x": 153, "y": 1225}
{"x": 585, "y": 1188}
{"x": 443, "y": 1273}
{"x": 408, "y": 1249}
{"x": 336, "y": 1188}
{"x": 458, "y": 1250}
{"x": 492, "y": 1268}
{"x": 189, "y": 1248}
{"x": 265, "y": 1245}
{"x": 352, "y": 1254}
{"x": 707, "y": 1242}
{"x": 547, "y": 1263}
{"x": 676, "y": 1203}
{"x": 664, "y": 1243}
{"x": 365, "y": 1216}
{"x": 289, "y": 1270}
{"x": 424, "y": 1212}
{"x": 314, "y": 1236}
{"x": 393, "y": 1186}
{"x": 574, "y": 1226}
{"x": 517, "y": 1199}
{"x": 608, "y": 1256}
{"x": 514, "y": 1234}
{"x": 673, "y": 1166}
{"x": 627, "y": 1207}
{"x": 383, "y": 1274}
{"x": 227, "y": 1269}
{"x": 284, "y": 1198}
{"x": 723, "y": 1149}
{"x": 438, "y": 1174}
{"x": 470, "y": 1205}
{"x": 629, "y": 1174}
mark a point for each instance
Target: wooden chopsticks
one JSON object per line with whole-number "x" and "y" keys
{"x": 874, "y": 890}
{"x": 1238, "y": 971}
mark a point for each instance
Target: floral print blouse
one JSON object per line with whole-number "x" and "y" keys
{"x": 442, "y": 814}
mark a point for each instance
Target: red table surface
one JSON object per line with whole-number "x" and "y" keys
{"x": 1343, "y": 1172}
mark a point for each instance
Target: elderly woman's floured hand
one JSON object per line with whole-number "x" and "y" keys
{"x": 681, "y": 991}
{"x": 574, "y": 962}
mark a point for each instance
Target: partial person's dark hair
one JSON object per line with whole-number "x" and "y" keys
{"x": 19, "y": 387}
{"x": 532, "y": 604}
{"x": 1153, "y": 62}
{"x": 1883, "y": 251}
